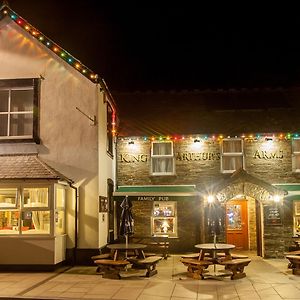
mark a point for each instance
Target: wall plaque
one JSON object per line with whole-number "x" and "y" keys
{"x": 273, "y": 215}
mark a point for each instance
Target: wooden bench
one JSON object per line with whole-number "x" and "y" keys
{"x": 101, "y": 256}
{"x": 236, "y": 266}
{"x": 111, "y": 268}
{"x": 196, "y": 267}
{"x": 294, "y": 263}
{"x": 222, "y": 256}
{"x": 157, "y": 244}
{"x": 190, "y": 255}
{"x": 148, "y": 263}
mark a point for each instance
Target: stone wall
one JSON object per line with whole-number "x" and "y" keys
{"x": 199, "y": 164}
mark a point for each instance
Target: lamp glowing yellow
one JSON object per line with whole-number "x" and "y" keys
{"x": 210, "y": 199}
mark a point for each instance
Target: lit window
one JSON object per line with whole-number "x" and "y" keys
{"x": 296, "y": 155}
{"x": 60, "y": 211}
{"x": 18, "y": 113}
{"x": 162, "y": 158}
{"x": 297, "y": 217}
{"x": 232, "y": 155}
{"x": 30, "y": 216}
{"x": 164, "y": 219}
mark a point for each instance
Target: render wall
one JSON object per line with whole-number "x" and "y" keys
{"x": 69, "y": 140}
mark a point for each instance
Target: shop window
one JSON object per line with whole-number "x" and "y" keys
{"x": 162, "y": 158}
{"x": 8, "y": 197}
{"x": 18, "y": 109}
{"x": 60, "y": 227}
{"x": 296, "y": 155}
{"x": 232, "y": 155}
{"x": 164, "y": 219}
{"x": 297, "y": 217}
{"x": 27, "y": 214}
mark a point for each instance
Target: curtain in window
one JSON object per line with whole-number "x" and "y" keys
{"x": 38, "y": 198}
{"x": 162, "y": 148}
{"x": 162, "y": 165}
{"x": 232, "y": 146}
{"x": 232, "y": 163}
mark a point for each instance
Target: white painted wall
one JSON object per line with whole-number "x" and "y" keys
{"x": 69, "y": 142}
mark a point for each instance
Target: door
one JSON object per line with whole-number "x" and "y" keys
{"x": 237, "y": 224}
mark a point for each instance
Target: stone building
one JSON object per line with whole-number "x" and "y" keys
{"x": 221, "y": 164}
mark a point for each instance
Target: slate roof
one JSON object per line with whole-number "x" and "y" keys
{"x": 229, "y": 112}
{"x": 27, "y": 167}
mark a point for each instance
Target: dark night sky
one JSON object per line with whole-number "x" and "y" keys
{"x": 151, "y": 47}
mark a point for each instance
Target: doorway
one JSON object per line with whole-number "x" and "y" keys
{"x": 237, "y": 224}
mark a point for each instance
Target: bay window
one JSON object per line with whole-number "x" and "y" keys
{"x": 296, "y": 155}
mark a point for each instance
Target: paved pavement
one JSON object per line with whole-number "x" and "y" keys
{"x": 266, "y": 279}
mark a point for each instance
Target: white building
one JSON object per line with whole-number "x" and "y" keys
{"x": 56, "y": 151}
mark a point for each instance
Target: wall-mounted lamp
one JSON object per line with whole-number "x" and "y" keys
{"x": 276, "y": 198}
{"x": 268, "y": 138}
{"x": 131, "y": 143}
{"x": 197, "y": 140}
{"x": 210, "y": 199}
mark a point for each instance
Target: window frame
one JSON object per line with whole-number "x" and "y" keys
{"x": 296, "y": 217}
{"x": 295, "y": 154}
{"x": 20, "y": 208}
{"x": 20, "y": 84}
{"x": 173, "y": 217}
{"x": 232, "y": 154}
{"x": 153, "y": 156}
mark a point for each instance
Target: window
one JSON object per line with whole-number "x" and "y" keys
{"x": 296, "y": 155}
{"x": 162, "y": 158}
{"x": 109, "y": 116}
{"x": 232, "y": 155}
{"x": 60, "y": 205}
{"x": 297, "y": 217}
{"x": 164, "y": 219}
{"x": 24, "y": 211}
{"x": 18, "y": 109}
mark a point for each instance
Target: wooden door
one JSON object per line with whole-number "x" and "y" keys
{"x": 237, "y": 224}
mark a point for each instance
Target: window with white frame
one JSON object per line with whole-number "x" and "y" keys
{"x": 164, "y": 218}
{"x": 232, "y": 155}
{"x": 296, "y": 154}
{"x": 162, "y": 158}
{"x": 24, "y": 211}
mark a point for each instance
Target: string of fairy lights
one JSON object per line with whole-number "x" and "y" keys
{"x": 216, "y": 137}
{"x": 55, "y": 48}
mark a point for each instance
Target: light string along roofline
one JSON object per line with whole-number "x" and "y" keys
{"x": 55, "y": 48}
{"x": 216, "y": 137}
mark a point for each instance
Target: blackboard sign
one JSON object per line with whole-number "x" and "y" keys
{"x": 273, "y": 215}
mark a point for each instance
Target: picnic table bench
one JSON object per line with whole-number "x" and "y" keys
{"x": 148, "y": 263}
{"x": 294, "y": 263}
{"x": 236, "y": 266}
{"x": 111, "y": 268}
{"x": 196, "y": 267}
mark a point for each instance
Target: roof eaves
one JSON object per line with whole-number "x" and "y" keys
{"x": 6, "y": 11}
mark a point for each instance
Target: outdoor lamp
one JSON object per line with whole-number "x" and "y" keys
{"x": 276, "y": 198}
{"x": 210, "y": 198}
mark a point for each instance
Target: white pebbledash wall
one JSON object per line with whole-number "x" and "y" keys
{"x": 69, "y": 141}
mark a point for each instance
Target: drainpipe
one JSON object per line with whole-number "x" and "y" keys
{"x": 75, "y": 223}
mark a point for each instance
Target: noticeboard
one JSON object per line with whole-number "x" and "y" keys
{"x": 273, "y": 215}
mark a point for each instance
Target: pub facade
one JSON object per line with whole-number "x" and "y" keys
{"x": 243, "y": 188}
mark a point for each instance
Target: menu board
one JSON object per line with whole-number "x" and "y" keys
{"x": 273, "y": 215}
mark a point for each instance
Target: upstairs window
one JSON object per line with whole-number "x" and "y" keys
{"x": 232, "y": 155}
{"x": 296, "y": 155}
{"x": 162, "y": 158}
{"x": 18, "y": 109}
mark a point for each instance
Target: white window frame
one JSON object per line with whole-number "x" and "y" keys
{"x": 295, "y": 154}
{"x": 162, "y": 156}
{"x": 232, "y": 154}
{"x": 9, "y": 112}
{"x": 173, "y": 217}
